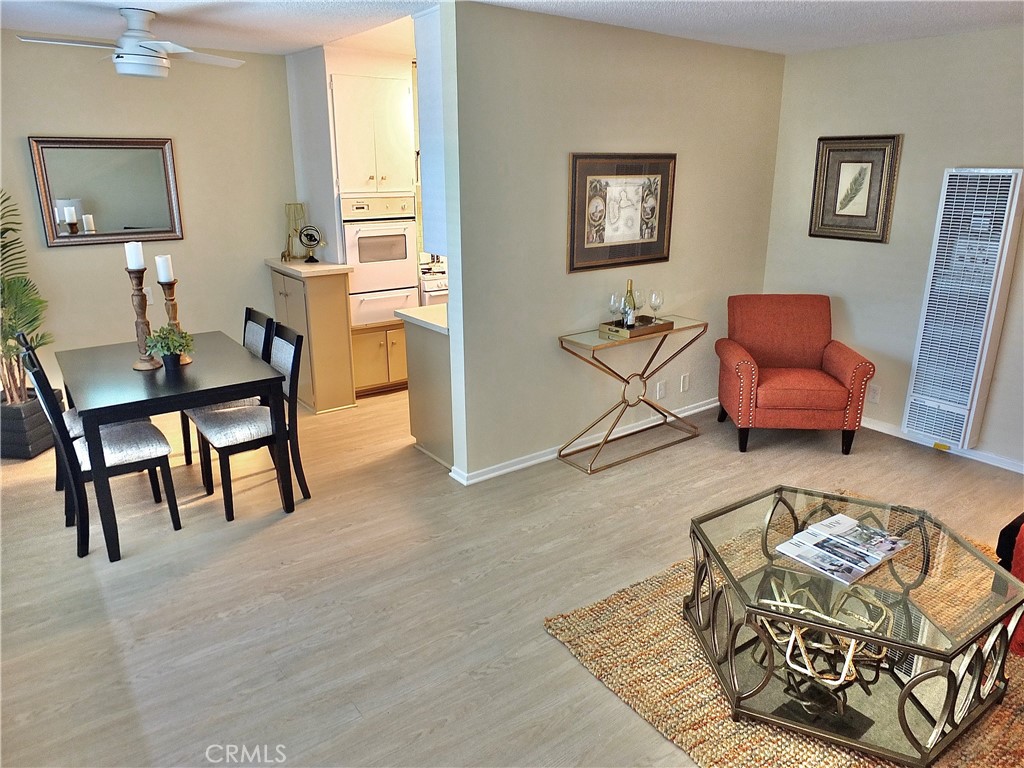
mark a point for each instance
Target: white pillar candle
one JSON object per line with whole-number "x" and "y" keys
{"x": 56, "y": 215}
{"x": 164, "y": 270}
{"x": 88, "y": 223}
{"x": 70, "y": 216}
{"x": 133, "y": 252}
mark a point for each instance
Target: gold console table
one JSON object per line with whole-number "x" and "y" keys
{"x": 586, "y": 346}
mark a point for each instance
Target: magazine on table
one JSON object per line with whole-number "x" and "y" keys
{"x": 842, "y": 547}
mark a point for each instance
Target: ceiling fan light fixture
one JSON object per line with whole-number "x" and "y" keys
{"x": 138, "y": 65}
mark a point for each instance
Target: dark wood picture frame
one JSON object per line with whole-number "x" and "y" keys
{"x": 620, "y": 209}
{"x": 854, "y": 186}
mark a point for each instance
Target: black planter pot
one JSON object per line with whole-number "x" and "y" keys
{"x": 171, "y": 362}
{"x": 24, "y": 430}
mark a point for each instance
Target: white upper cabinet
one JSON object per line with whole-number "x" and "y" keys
{"x": 373, "y": 133}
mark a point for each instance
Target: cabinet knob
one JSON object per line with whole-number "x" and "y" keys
{"x": 382, "y": 344}
{"x": 383, "y": 178}
{"x": 372, "y": 178}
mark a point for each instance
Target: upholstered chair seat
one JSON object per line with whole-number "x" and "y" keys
{"x": 800, "y": 388}
{"x": 780, "y": 368}
{"x": 125, "y": 443}
{"x": 230, "y": 426}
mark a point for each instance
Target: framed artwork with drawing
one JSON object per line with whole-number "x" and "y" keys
{"x": 854, "y": 185}
{"x": 620, "y": 209}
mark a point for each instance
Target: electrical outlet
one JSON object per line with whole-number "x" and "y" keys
{"x": 659, "y": 390}
{"x": 874, "y": 393}
{"x": 684, "y": 382}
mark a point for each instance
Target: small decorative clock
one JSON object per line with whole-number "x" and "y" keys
{"x": 311, "y": 239}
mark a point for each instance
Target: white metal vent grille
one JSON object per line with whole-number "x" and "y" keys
{"x": 963, "y": 304}
{"x": 936, "y": 421}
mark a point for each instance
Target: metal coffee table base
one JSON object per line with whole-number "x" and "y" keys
{"x": 908, "y": 711}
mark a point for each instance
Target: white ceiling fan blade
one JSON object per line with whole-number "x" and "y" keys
{"x": 209, "y": 58}
{"x": 60, "y": 41}
{"x": 181, "y": 52}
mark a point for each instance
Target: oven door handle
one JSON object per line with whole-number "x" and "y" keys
{"x": 381, "y": 298}
{"x": 387, "y": 230}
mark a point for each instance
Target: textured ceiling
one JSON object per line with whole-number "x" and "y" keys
{"x": 286, "y": 26}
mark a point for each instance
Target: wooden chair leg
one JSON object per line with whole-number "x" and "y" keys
{"x": 205, "y": 465}
{"x": 172, "y": 499}
{"x": 154, "y": 483}
{"x": 293, "y": 443}
{"x": 848, "y": 435}
{"x": 225, "y": 486}
{"x": 743, "y": 433}
{"x": 186, "y": 438}
{"x": 81, "y": 516}
{"x": 69, "y": 507}
{"x": 722, "y": 415}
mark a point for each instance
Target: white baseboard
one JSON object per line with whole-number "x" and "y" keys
{"x": 985, "y": 458}
{"x": 550, "y": 453}
{"x": 523, "y": 462}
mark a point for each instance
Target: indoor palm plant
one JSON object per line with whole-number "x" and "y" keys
{"x": 25, "y": 430}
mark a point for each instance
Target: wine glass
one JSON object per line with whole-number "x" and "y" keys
{"x": 615, "y": 304}
{"x": 639, "y": 298}
{"x": 657, "y": 301}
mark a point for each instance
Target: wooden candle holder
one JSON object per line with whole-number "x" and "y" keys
{"x": 146, "y": 361}
{"x": 171, "y": 307}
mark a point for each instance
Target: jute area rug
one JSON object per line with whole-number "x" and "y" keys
{"x": 638, "y": 644}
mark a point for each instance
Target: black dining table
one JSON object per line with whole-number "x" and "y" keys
{"x": 101, "y": 383}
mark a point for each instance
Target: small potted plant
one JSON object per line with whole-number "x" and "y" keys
{"x": 170, "y": 343}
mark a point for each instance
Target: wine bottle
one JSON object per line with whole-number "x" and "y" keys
{"x": 629, "y": 306}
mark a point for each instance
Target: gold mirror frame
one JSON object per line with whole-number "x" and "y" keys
{"x": 48, "y": 187}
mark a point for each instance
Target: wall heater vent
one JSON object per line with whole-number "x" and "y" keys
{"x": 965, "y": 297}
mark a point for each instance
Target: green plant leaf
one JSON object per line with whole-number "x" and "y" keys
{"x": 21, "y": 305}
{"x": 856, "y": 185}
{"x": 12, "y": 250}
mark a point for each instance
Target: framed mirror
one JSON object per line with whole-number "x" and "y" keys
{"x": 94, "y": 190}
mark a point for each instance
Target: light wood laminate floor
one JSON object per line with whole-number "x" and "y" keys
{"x": 395, "y": 618}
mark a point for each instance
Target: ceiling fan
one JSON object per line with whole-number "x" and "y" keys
{"x": 137, "y": 52}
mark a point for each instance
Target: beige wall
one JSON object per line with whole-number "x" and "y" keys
{"x": 532, "y": 90}
{"x": 232, "y": 151}
{"x": 959, "y": 101}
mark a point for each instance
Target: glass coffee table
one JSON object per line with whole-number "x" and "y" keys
{"x": 897, "y": 664}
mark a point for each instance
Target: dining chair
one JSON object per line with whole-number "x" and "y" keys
{"x": 249, "y": 427}
{"x": 129, "y": 446}
{"x": 72, "y": 420}
{"x": 257, "y": 333}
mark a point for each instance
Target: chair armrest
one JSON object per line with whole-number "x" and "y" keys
{"x": 737, "y": 381}
{"x": 854, "y": 371}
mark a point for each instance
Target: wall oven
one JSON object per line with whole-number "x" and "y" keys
{"x": 380, "y": 246}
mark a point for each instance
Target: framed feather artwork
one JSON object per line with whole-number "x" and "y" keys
{"x": 854, "y": 185}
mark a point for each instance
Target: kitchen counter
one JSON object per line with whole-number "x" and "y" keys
{"x": 428, "y": 359}
{"x": 433, "y": 317}
{"x": 302, "y": 270}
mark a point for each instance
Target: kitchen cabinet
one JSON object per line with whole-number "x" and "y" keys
{"x": 312, "y": 299}
{"x": 373, "y": 130}
{"x": 378, "y": 356}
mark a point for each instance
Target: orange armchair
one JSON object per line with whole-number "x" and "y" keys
{"x": 781, "y": 369}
